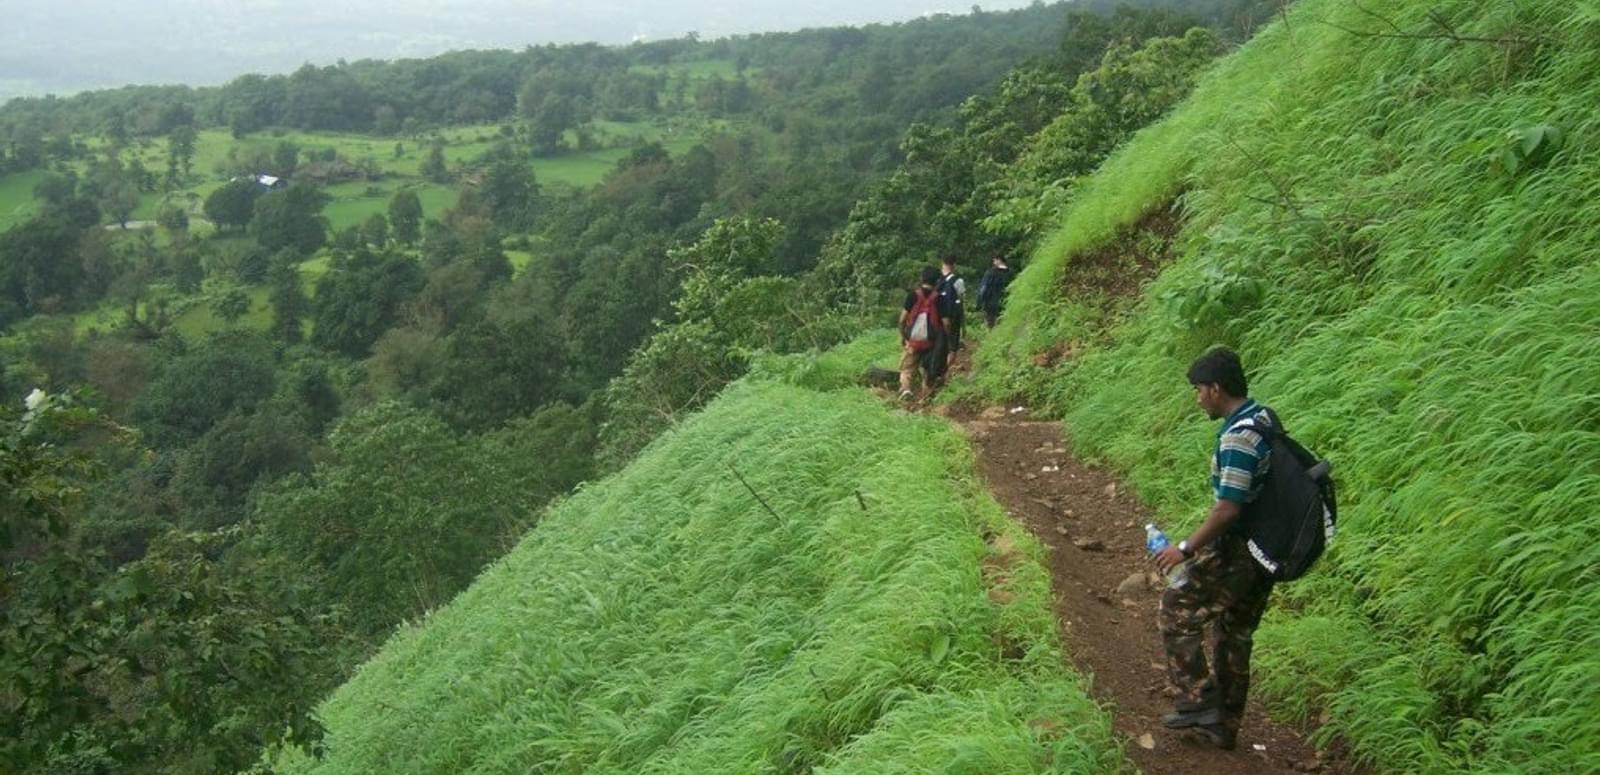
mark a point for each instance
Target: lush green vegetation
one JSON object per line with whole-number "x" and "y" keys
{"x": 1388, "y": 209}
{"x": 665, "y": 620}
{"x": 283, "y": 401}
{"x": 298, "y": 385}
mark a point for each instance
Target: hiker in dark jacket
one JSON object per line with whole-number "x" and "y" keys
{"x": 952, "y": 291}
{"x": 992, "y": 289}
{"x": 1227, "y": 590}
{"x": 922, "y": 333}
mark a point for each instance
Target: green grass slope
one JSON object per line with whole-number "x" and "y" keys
{"x": 663, "y": 621}
{"x": 1413, "y": 278}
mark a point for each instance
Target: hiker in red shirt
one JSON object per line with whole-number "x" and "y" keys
{"x": 921, "y": 331}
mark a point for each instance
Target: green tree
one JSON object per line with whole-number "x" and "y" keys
{"x": 291, "y": 218}
{"x": 731, "y": 250}
{"x": 360, "y": 298}
{"x": 510, "y": 194}
{"x": 33, "y": 274}
{"x": 288, "y": 301}
{"x": 174, "y": 219}
{"x": 375, "y": 230}
{"x": 180, "y": 153}
{"x": 228, "y": 372}
{"x": 231, "y": 305}
{"x": 232, "y": 205}
{"x": 118, "y": 201}
{"x": 400, "y": 515}
{"x": 285, "y": 159}
{"x": 433, "y": 166}
{"x": 405, "y": 215}
{"x": 554, "y": 116}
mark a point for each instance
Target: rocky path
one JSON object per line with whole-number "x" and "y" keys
{"x": 1106, "y": 598}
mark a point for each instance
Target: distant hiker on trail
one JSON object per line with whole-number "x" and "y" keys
{"x": 952, "y": 291}
{"x": 922, "y": 333}
{"x": 1226, "y": 589}
{"x": 992, "y": 289}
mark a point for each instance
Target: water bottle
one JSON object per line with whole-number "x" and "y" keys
{"x": 1155, "y": 541}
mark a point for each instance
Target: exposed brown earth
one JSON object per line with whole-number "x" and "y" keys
{"x": 1106, "y": 598}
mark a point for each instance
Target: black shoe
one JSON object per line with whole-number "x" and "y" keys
{"x": 1188, "y": 715}
{"x": 1219, "y": 735}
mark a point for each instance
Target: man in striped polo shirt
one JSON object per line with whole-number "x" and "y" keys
{"x": 1226, "y": 590}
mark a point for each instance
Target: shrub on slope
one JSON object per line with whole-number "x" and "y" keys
{"x": 1399, "y": 234}
{"x": 663, "y": 621}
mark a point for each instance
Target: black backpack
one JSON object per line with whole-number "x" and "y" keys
{"x": 1291, "y": 521}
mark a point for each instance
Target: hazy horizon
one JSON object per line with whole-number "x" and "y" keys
{"x": 48, "y": 46}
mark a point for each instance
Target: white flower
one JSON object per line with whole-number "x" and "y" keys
{"x": 35, "y": 399}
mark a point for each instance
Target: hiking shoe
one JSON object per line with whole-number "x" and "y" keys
{"x": 1192, "y": 716}
{"x": 905, "y": 395}
{"x": 1219, "y": 735}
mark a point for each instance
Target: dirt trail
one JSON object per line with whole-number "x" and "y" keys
{"x": 1106, "y": 600}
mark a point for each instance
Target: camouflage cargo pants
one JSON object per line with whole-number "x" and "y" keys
{"x": 1227, "y": 593}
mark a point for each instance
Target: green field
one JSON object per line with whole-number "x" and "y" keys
{"x": 16, "y": 197}
{"x": 1427, "y": 316}
{"x": 355, "y": 201}
{"x": 663, "y": 621}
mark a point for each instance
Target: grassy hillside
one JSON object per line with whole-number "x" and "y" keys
{"x": 663, "y": 621}
{"x": 1406, "y": 258}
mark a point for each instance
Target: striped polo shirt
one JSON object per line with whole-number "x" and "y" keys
{"x": 1240, "y": 464}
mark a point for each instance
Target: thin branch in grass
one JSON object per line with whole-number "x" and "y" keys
{"x": 1446, "y": 30}
{"x": 1286, "y": 198}
{"x": 823, "y": 687}
{"x": 861, "y": 500}
{"x": 759, "y": 499}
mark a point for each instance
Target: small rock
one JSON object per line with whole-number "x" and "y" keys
{"x": 1111, "y": 490}
{"x": 993, "y": 413}
{"x": 1030, "y": 477}
{"x": 1309, "y": 765}
{"x": 1060, "y": 530}
{"x": 1132, "y": 585}
{"x": 1018, "y": 409}
{"x": 1090, "y": 544}
{"x": 1147, "y": 741}
{"x": 1103, "y": 598}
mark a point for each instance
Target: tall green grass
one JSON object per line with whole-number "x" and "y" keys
{"x": 663, "y": 620}
{"x": 1429, "y": 320}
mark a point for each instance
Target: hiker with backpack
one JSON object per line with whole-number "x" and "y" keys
{"x": 922, "y": 333}
{"x": 1272, "y": 515}
{"x": 952, "y": 292}
{"x": 992, "y": 289}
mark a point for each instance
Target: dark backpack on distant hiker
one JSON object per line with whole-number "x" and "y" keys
{"x": 992, "y": 288}
{"x": 1293, "y": 518}
{"x": 925, "y": 324}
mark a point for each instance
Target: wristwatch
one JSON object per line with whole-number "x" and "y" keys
{"x": 1183, "y": 546}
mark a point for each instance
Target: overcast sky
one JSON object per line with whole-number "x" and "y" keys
{"x": 66, "y": 45}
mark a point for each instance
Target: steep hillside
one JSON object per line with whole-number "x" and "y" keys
{"x": 861, "y": 606}
{"x": 1389, "y": 208}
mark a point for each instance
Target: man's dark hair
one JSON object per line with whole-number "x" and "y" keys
{"x": 949, "y": 261}
{"x": 930, "y": 276}
{"x": 1220, "y": 366}
{"x": 998, "y": 257}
